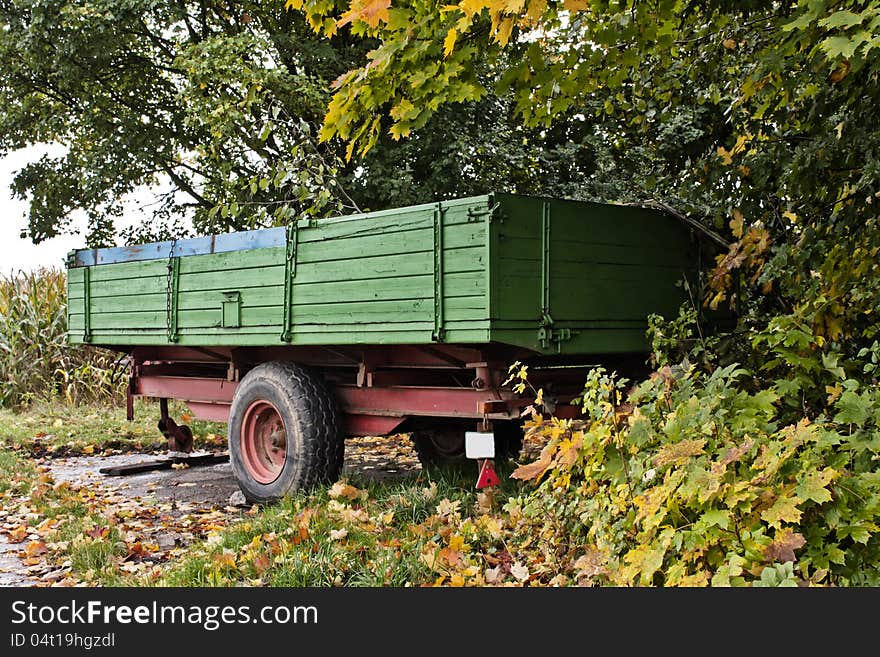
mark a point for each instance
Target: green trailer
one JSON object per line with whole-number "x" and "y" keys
{"x": 402, "y": 320}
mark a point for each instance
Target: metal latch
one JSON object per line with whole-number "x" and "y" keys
{"x": 548, "y": 333}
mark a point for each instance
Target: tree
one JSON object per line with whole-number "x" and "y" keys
{"x": 756, "y": 117}
{"x": 217, "y": 97}
{"x": 223, "y": 100}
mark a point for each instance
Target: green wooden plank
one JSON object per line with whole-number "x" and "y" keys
{"x": 388, "y": 223}
{"x": 233, "y": 280}
{"x": 583, "y": 250}
{"x": 270, "y": 295}
{"x": 390, "y": 313}
{"x": 129, "y": 270}
{"x": 233, "y": 260}
{"x": 408, "y": 287}
{"x": 410, "y": 243}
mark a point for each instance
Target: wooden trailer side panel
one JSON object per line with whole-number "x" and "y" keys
{"x": 576, "y": 277}
{"x": 415, "y": 275}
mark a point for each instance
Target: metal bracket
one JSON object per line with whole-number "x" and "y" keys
{"x": 439, "y": 331}
{"x": 289, "y": 273}
{"x": 473, "y": 213}
{"x": 87, "y": 304}
{"x": 545, "y": 261}
{"x": 230, "y": 309}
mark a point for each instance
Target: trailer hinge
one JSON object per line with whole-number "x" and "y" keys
{"x": 438, "y": 334}
{"x": 289, "y": 273}
{"x": 87, "y": 304}
{"x": 549, "y": 334}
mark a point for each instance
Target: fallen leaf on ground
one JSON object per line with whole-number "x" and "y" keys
{"x": 18, "y": 534}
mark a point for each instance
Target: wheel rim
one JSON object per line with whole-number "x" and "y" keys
{"x": 263, "y": 442}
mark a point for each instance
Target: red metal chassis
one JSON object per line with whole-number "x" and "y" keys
{"x": 378, "y": 387}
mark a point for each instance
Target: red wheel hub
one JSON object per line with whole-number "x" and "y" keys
{"x": 263, "y": 442}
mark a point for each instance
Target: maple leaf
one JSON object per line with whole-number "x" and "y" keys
{"x": 338, "y": 534}
{"x": 225, "y": 558}
{"x": 493, "y": 575}
{"x": 784, "y": 509}
{"x": 261, "y": 563}
{"x": 590, "y": 564}
{"x": 679, "y": 452}
{"x": 430, "y": 492}
{"x": 98, "y": 532}
{"x": 813, "y": 486}
{"x": 533, "y": 471}
{"x": 452, "y": 558}
{"x": 370, "y": 12}
{"x": 447, "y": 508}
{"x": 449, "y": 42}
{"x": 783, "y": 546}
{"x": 736, "y": 453}
{"x": 35, "y": 548}
{"x": 349, "y": 492}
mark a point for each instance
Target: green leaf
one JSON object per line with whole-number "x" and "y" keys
{"x": 783, "y": 510}
{"x": 830, "y": 362}
{"x": 845, "y": 19}
{"x": 813, "y": 486}
{"x": 858, "y": 533}
{"x": 840, "y": 46}
{"x": 853, "y": 408}
{"x": 714, "y": 518}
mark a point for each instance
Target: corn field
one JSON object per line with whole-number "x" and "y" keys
{"x": 36, "y": 363}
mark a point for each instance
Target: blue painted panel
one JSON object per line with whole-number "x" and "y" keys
{"x": 240, "y": 241}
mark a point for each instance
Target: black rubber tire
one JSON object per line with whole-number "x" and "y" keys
{"x": 312, "y": 422}
{"x": 508, "y": 440}
{"x": 440, "y": 446}
{"x": 451, "y": 450}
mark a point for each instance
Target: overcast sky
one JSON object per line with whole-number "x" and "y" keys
{"x": 21, "y": 254}
{"x": 16, "y": 253}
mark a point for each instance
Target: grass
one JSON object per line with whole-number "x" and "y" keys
{"x": 384, "y": 534}
{"x": 61, "y": 430}
{"x": 359, "y": 532}
{"x": 56, "y": 514}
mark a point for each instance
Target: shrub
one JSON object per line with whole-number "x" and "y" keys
{"x": 716, "y": 476}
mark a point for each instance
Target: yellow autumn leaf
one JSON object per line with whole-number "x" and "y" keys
{"x": 740, "y": 145}
{"x": 536, "y": 9}
{"x": 502, "y": 33}
{"x": 574, "y": 5}
{"x": 736, "y": 224}
{"x": 370, "y": 12}
{"x": 449, "y": 42}
{"x": 471, "y": 7}
{"x": 724, "y": 154}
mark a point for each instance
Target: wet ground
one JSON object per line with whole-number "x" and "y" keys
{"x": 189, "y": 495}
